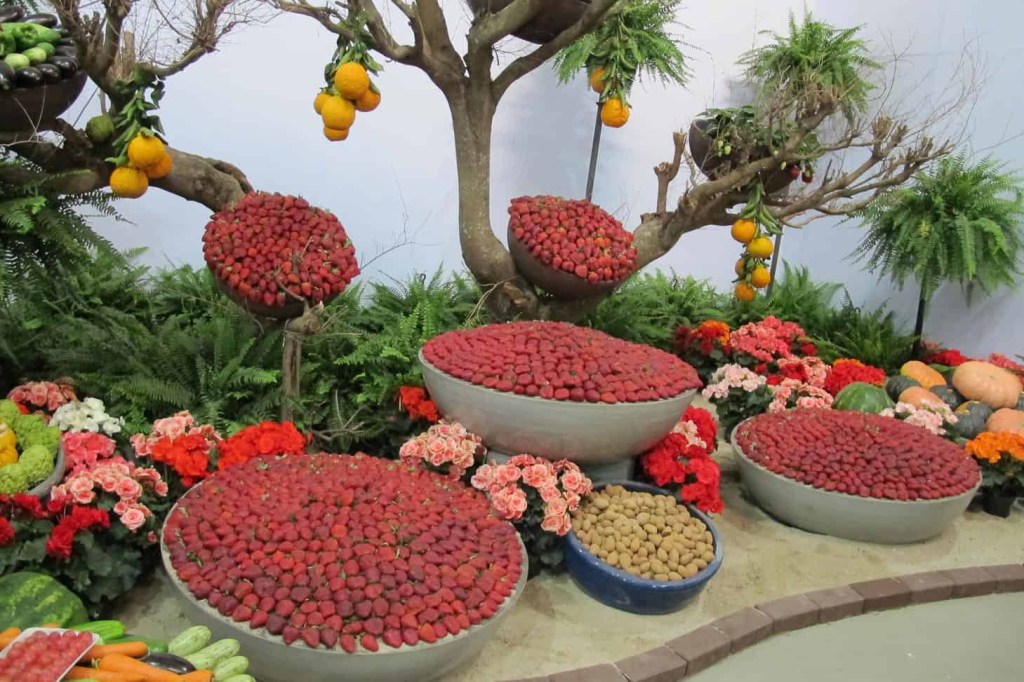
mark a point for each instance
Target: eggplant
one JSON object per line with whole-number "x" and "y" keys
{"x": 28, "y": 77}
{"x": 68, "y": 66}
{"x": 61, "y": 31}
{"x": 47, "y": 20}
{"x": 51, "y": 73}
{"x": 5, "y": 83}
{"x": 65, "y": 42}
{"x": 11, "y": 14}
{"x": 7, "y": 71}
{"x": 65, "y": 51}
{"x": 170, "y": 663}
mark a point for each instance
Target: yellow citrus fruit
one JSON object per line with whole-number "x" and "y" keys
{"x": 745, "y": 292}
{"x": 741, "y": 267}
{"x": 145, "y": 151}
{"x": 597, "y": 80}
{"x": 162, "y": 169}
{"x": 369, "y": 101}
{"x": 761, "y": 247}
{"x": 318, "y": 102}
{"x": 127, "y": 182}
{"x": 335, "y": 135}
{"x": 760, "y": 277}
{"x": 351, "y": 80}
{"x": 614, "y": 113}
{"x": 743, "y": 230}
{"x": 338, "y": 113}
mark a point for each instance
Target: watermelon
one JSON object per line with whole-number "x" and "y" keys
{"x": 862, "y": 397}
{"x": 31, "y": 599}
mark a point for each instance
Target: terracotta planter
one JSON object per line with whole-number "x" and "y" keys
{"x": 556, "y": 16}
{"x": 23, "y": 109}
{"x": 560, "y": 284}
{"x": 701, "y": 148}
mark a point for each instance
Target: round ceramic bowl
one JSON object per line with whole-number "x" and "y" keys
{"x": 558, "y": 283}
{"x": 271, "y": 660}
{"x": 555, "y": 17}
{"x": 865, "y": 519}
{"x": 43, "y": 488}
{"x": 700, "y": 149}
{"x": 287, "y": 311}
{"x": 621, "y": 590}
{"x": 586, "y": 433}
{"x": 23, "y": 109}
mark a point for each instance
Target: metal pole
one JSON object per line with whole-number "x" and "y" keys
{"x": 594, "y": 148}
{"x": 775, "y": 263}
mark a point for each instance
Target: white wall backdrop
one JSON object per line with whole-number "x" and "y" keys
{"x": 251, "y": 104}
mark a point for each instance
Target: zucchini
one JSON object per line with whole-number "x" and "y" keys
{"x": 239, "y": 678}
{"x": 108, "y": 630}
{"x": 190, "y": 641}
{"x": 208, "y": 658}
{"x": 230, "y": 667}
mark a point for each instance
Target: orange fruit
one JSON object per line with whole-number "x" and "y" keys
{"x": 335, "y": 135}
{"x": 761, "y": 247}
{"x": 614, "y": 113}
{"x": 597, "y": 80}
{"x": 351, "y": 80}
{"x": 128, "y": 182}
{"x": 162, "y": 169}
{"x": 318, "y": 102}
{"x": 369, "y": 101}
{"x": 145, "y": 151}
{"x": 745, "y": 292}
{"x": 338, "y": 113}
{"x": 743, "y": 230}
{"x": 741, "y": 267}
{"x": 760, "y": 277}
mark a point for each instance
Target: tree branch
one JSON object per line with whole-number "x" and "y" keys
{"x": 668, "y": 170}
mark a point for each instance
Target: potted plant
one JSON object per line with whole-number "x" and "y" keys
{"x": 555, "y": 17}
{"x": 1001, "y": 456}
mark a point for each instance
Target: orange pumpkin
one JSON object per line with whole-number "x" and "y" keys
{"x": 1006, "y": 419}
{"x": 922, "y": 374}
{"x": 919, "y": 396}
{"x": 983, "y": 381}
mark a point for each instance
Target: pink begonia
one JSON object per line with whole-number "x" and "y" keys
{"x": 801, "y": 394}
{"x": 86, "y": 448}
{"x": 539, "y": 475}
{"x": 134, "y": 518}
{"x": 815, "y": 368}
{"x": 728, "y": 377}
{"x": 444, "y": 444}
{"x": 767, "y": 340}
{"x": 119, "y": 478}
{"x": 934, "y": 418}
{"x": 180, "y": 424}
{"x": 688, "y": 430}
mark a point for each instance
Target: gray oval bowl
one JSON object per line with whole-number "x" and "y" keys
{"x": 865, "y": 519}
{"x": 586, "y": 433}
{"x": 43, "y": 488}
{"x": 271, "y": 660}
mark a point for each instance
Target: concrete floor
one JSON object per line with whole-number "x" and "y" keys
{"x": 556, "y": 627}
{"x": 963, "y": 640}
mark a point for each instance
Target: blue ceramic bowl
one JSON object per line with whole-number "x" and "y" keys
{"x": 626, "y": 592}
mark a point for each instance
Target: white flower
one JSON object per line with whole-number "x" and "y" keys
{"x": 95, "y": 404}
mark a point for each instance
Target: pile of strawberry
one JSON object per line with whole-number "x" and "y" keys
{"x": 560, "y": 361}
{"x": 858, "y": 454}
{"x": 574, "y": 236}
{"x": 344, "y": 551}
{"x": 272, "y": 250}
{"x": 44, "y": 656}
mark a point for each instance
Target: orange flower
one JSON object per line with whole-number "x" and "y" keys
{"x": 715, "y": 329}
{"x": 848, "y": 361}
{"x": 991, "y": 447}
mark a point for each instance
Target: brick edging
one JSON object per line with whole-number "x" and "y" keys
{"x": 701, "y": 648}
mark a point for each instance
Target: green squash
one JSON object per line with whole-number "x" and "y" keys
{"x": 949, "y": 395}
{"x": 971, "y": 417}
{"x": 897, "y": 384}
{"x": 1020, "y": 402}
{"x": 862, "y": 397}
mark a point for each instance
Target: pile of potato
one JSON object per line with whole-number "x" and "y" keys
{"x": 649, "y": 536}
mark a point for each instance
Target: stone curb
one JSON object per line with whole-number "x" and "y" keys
{"x": 703, "y": 647}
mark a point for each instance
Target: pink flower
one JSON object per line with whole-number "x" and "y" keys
{"x": 143, "y": 447}
{"x": 161, "y": 488}
{"x": 38, "y": 393}
{"x": 575, "y": 482}
{"x": 120, "y": 507}
{"x": 509, "y": 501}
{"x": 556, "y": 507}
{"x": 133, "y": 518}
{"x": 106, "y": 480}
{"x": 522, "y": 460}
{"x": 151, "y": 537}
{"x": 81, "y": 490}
{"x": 129, "y": 489}
{"x": 539, "y": 475}
{"x": 549, "y": 493}
{"x": 572, "y": 500}
{"x": 505, "y": 474}
{"x": 483, "y": 479}
{"x": 551, "y": 524}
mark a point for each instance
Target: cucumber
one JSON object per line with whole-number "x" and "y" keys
{"x": 16, "y": 60}
{"x": 208, "y": 658}
{"x": 230, "y": 667}
{"x": 108, "y": 630}
{"x": 190, "y": 641}
{"x": 239, "y": 678}
{"x": 36, "y": 55}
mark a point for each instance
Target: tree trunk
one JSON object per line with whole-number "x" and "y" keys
{"x": 922, "y": 305}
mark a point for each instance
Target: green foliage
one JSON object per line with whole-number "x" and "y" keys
{"x": 815, "y": 64}
{"x": 743, "y": 128}
{"x": 795, "y": 296}
{"x": 631, "y": 41}
{"x": 959, "y": 222}
{"x": 870, "y": 336}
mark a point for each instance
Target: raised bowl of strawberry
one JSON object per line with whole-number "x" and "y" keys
{"x": 571, "y": 249}
{"x": 343, "y": 567}
{"x": 556, "y": 390}
{"x": 854, "y": 475}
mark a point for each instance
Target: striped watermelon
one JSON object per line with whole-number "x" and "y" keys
{"x": 31, "y": 599}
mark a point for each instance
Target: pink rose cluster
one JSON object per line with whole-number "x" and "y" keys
{"x": 41, "y": 397}
{"x": 82, "y": 450}
{"x": 445, "y": 444}
{"x": 792, "y": 393}
{"x": 768, "y": 340}
{"x": 173, "y": 427}
{"x": 559, "y": 486}
{"x": 728, "y": 377}
{"x": 117, "y": 478}
{"x": 936, "y": 419}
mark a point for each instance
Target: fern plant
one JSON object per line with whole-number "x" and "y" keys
{"x": 958, "y": 222}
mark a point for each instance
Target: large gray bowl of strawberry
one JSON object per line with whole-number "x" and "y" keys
{"x": 854, "y": 475}
{"x": 343, "y": 567}
{"x": 555, "y": 390}
{"x": 571, "y": 249}
{"x": 272, "y": 254}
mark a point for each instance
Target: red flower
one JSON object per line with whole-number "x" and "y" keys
{"x": 845, "y": 372}
{"x": 30, "y": 504}
{"x": 415, "y": 401}
{"x": 85, "y": 518}
{"x": 6, "y": 532}
{"x": 187, "y": 455}
{"x": 268, "y": 438}
{"x": 951, "y": 357}
{"x": 61, "y": 538}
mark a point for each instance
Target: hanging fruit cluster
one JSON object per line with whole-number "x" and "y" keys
{"x": 349, "y": 88}
{"x": 612, "y": 88}
{"x": 141, "y": 150}
{"x": 754, "y": 229}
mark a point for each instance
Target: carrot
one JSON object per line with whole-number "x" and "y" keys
{"x": 8, "y": 636}
{"x": 81, "y": 673}
{"x": 119, "y": 663}
{"x": 197, "y": 676}
{"x": 132, "y": 649}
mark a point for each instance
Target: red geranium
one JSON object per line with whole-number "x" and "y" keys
{"x": 59, "y": 544}
{"x": 683, "y": 458}
{"x": 188, "y": 455}
{"x": 949, "y": 357}
{"x": 6, "y": 532}
{"x": 847, "y": 371}
{"x": 418, "y": 404}
{"x": 268, "y": 438}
